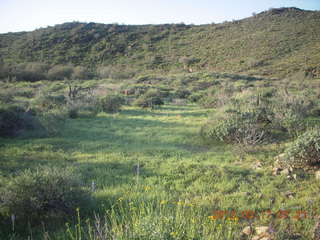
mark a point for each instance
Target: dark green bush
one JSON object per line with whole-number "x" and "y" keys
{"x": 151, "y": 99}
{"x": 73, "y": 113}
{"x": 195, "y": 97}
{"x": 112, "y": 103}
{"x": 305, "y": 150}
{"x": 43, "y": 194}
{"x": 30, "y": 72}
{"x": 13, "y": 119}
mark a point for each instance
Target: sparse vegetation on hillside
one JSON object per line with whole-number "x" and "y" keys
{"x": 162, "y": 132}
{"x": 274, "y": 43}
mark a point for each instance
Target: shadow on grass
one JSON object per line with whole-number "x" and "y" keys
{"x": 183, "y": 111}
{"x": 116, "y": 133}
{"x": 111, "y": 174}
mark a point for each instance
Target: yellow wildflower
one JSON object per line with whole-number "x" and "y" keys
{"x": 163, "y": 202}
{"x": 173, "y": 234}
{"x": 234, "y": 219}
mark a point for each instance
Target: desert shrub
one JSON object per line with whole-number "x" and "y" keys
{"x": 73, "y": 112}
{"x": 195, "y": 97}
{"x": 4, "y": 71}
{"x": 143, "y": 79}
{"x": 182, "y": 93}
{"x": 51, "y": 121}
{"x": 6, "y": 97}
{"x": 115, "y": 72}
{"x": 80, "y": 73}
{"x": 41, "y": 194}
{"x": 290, "y": 112}
{"x": 28, "y": 93}
{"x": 14, "y": 119}
{"x": 305, "y": 150}
{"x": 30, "y": 72}
{"x": 85, "y": 105}
{"x": 218, "y": 97}
{"x": 246, "y": 128}
{"x": 60, "y": 72}
{"x": 46, "y": 102}
{"x": 151, "y": 99}
{"x": 112, "y": 103}
{"x": 315, "y": 112}
{"x": 188, "y": 61}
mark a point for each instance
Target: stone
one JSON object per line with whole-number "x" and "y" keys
{"x": 279, "y": 158}
{"x": 276, "y": 171}
{"x": 262, "y": 229}
{"x": 316, "y": 231}
{"x": 247, "y": 230}
{"x": 257, "y": 165}
{"x": 264, "y": 236}
{"x": 285, "y": 172}
{"x": 289, "y": 194}
{"x": 246, "y": 194}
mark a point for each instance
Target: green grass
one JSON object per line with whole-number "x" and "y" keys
{"x": 181, "y": 182}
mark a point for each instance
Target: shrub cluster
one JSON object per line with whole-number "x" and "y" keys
{"x": 151, "y": 99}
{"x": 247, "y": 128}
{"x": 35, "y": 71}
{"x": 112, "y": 103}
{"x": 289, "y": 113}
{"x": 14, "y": 119}
{"x": 41, "y": 194}
{"x": 305, "y": 150}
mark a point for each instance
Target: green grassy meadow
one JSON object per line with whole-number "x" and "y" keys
{"x": 154, "y": 178}
{"x": 162, "y": 132}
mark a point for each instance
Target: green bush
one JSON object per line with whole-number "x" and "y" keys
{"x": 60, "y": 72}
{"x": 290, "y": 112}
{"x": 195, "y": 97}
{"x": 6, "y": 97}
{"x": 48, "y": 102}
{"x": 112, "y": 103}
{"x": 41, "y": 194}
{"x": 73, "y": 112}
{"x": 182, "y": 93}
{"x": 151, "y": 99}
{"x": 80, "y": 73}
{"x": 247, "y": 128}
{"x": 14, "y": 119}
{"x": 51, "y": 121}
{"x": 83, "y": 105}
{"x": 305, "y": 150}
{"x": 30, "y": 72}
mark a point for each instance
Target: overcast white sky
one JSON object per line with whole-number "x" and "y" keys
{"x": 27, "y": 15}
